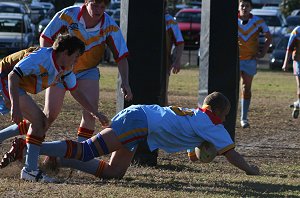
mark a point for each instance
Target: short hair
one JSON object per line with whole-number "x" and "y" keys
{"x": 106, "y": 2}
{"x": 70, "y": 43}
{"x": 217, "y": 101}
{"x": 249, "y": 1}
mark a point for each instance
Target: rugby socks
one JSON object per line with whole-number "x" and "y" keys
{"x": 93, "y": 167}
{"x": 84, "y": 134}
{"x": 33, "y": 144}
{"x": 86, "y": 150}
{"x": 14, "y": 130}
{"x": 55, "y": 148}
{"x": 245, "y": 103}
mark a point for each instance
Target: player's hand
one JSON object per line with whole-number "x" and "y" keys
{"x": 125, "y": 89}
{"x": 175, "y": 68}
{"x": 254, "y": 170}
{"x": 102, "y": 118}
{"x": 284, "y": 68}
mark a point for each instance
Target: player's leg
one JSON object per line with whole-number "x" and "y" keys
{"x": 54, "y": 97}
{"x": 295, "y": 113}
{"x": 116, "y": 168}
{"x": 296, "y": 104}
{"x": 34, "y": 139}
{"x": 14, "y": 130}
{"x": 89, "y": 88}
{"x": 246, "y": 83}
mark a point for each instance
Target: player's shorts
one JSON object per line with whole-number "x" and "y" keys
{"x": 296, "y": 68}
{"x": 248, "y": 66}
{"x": 90, "y": 74}
{"x": 131, "y": 126}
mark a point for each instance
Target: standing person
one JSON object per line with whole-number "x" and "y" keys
{"x": 173, "y": 39}
{"x": 172, "y": 129}
{"x": 293, "y": 48}
{"x": 249, "y": 29}
{"x": 33, "y": 74}
{"x": 96, "y": 29}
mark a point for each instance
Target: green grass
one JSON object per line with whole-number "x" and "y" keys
{"x": 272, "y": 143}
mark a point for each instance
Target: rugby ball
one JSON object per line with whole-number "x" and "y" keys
{"x": 206, "y": 152}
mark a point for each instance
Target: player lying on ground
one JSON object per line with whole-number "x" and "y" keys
{"x": 171, "y": 128}
{"x": 32, "y": 74}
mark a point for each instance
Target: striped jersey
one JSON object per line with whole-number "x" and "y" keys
{"x": 294, "y": 43}
{"x": 248, "y": 36}
{"x": 175, "y": 129}
{"x": 38, "y": 71}
{"x": 106, "y": 32}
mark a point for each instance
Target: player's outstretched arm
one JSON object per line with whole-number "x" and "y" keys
{"x": 82, "y": 99}
{"x": 237, "y": 160}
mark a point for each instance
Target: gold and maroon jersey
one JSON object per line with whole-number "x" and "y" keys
{"x": 248, "y": 36}
{"x": 106, "y": 32}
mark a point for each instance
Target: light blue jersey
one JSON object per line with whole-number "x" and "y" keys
{"x": 171, "y": 128}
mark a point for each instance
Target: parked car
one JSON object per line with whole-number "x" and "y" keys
{"x": 14, "y": 7}
{"x": 295, "y": 12}
{"x": 276, "y": 23}
{"x": 292, "y": 22}
{"x": 16, "y": 32}
{"x": 278, "y": 54}
{"x": 37, "y": 13}
{"x": 43, "y": 23}
{"x": 189, "y": 22}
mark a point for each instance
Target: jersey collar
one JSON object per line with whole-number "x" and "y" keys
{"x": 212, "y": 116}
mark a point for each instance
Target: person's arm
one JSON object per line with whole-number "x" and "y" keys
{"x": 286, "y": 60}
{"x": 176, "y": 65}
{"x": 237, "y": 160}
{"x": 123, "y": 70}
{"x": 82, "y": 99}
{"x": 268, "y": 41}
{"x": 13, "y": 86}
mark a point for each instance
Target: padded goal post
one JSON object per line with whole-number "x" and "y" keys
{"x": 219, "y": 65}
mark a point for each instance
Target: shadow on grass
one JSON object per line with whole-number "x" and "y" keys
{"x": 246, "y": 188}
{"x": 235, "y": 189}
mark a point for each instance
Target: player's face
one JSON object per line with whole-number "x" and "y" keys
{"x": 244, "y": 8}
{"x": 95, "y": 10}
{"x": 71, "y": 60}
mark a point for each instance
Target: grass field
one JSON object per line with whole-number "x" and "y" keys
{"x": 272, "y": 143}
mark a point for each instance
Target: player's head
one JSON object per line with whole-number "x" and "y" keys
{"x": 219, "y": 104}
{"x": 68, "y": 49}
{"x": 245, "y": 6}
{"x": 70, "y": 43}
{"x": 96, "y": 8}
{"x": 246, "y": 1}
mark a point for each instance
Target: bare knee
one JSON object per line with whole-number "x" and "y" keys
{"x": 114, "y": 172}
{"x": 40, "y": 126}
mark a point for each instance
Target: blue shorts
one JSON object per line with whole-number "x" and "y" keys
{"x": 131, "y": 126}
{"x": 248, "y": 66}
{"x": 296, "y": 65}
{"x": 90, "y": 74}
